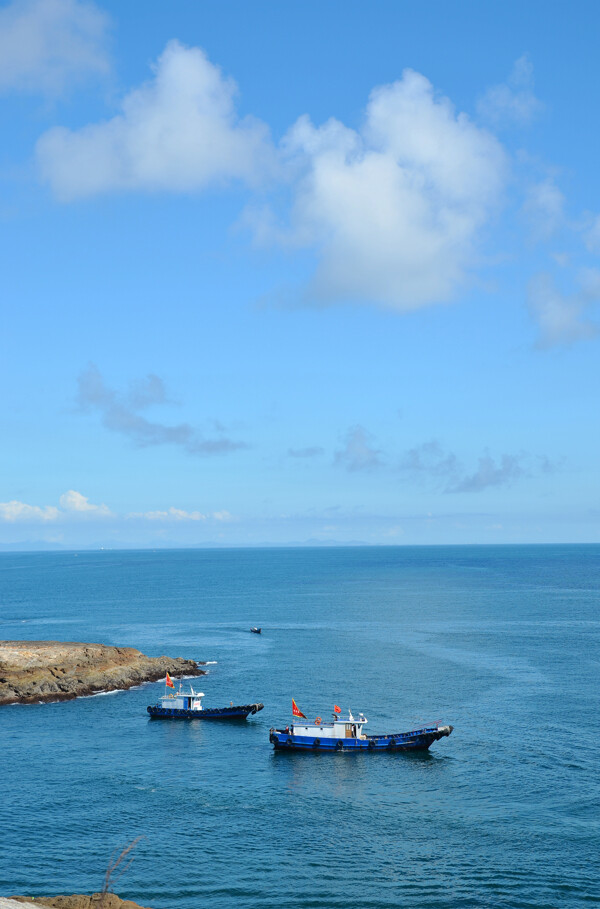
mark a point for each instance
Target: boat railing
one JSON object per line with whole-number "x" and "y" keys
{"x": 427, "y": 730}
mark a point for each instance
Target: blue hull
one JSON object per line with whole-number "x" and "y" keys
{"x": 417, "y": 740}
{"x": 216, "y": 713}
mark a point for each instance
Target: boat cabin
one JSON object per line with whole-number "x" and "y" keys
{"x": 341, "y": 728}
{"x": 183, "y": 700}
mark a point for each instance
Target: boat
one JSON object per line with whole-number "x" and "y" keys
{"x": 187, "y": 705}
{"x": 346, "y": 734}
{"x": 256, "y": 630}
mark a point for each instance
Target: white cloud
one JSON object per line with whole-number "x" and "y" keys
{"x": 395, "y": 210}
{"x": 592, "y": 234}
{"x": 544, "y": 209}
{"x": 589, "y": 280}
{"x": 72, "y": 505}
{"x": 179, "y": 514}
{"x": 177, "y": 132}
{"x": 358, "y": 452}
{"x": 171, "y": 514}
{"x": 430, "y": 459}
{"x": 74, "y": 502}
{"x": 489, "y": 472}
{"x": 121, "y": 413}
{"x": 46, "y": 44}
{"x": 512, "y": 101}
{"x": 562, "y": 318}
{"x": 431, "y": 462}
{"x": 562, "y": 259}
{"x": 312, "y": 451}
{"x": 19, "y": 511}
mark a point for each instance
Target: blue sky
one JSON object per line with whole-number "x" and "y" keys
{"x": 286, "y": 272}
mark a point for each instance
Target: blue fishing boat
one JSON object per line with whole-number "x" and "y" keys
{"x": 187, "y": 705}
{"x": 346, "y": 734}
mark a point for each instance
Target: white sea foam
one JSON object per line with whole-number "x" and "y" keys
{"x": 99, "y": 694}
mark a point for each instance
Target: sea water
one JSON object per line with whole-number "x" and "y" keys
{"x": 501, "y": 642}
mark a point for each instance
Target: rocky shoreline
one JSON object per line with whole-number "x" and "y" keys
{"x": 76, "y": 901}
{"x": 33, "y": 671}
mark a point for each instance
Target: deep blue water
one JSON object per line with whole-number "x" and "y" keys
{"x": 502, "y": 642}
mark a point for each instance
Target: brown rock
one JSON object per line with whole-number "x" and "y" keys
{"x": 77, "y": 901}
{"x": 33, "y": 671}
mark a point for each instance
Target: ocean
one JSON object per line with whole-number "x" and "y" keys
{"x": 502, "y": 642}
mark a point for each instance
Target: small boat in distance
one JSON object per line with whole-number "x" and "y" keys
{"x": 187, "y": 705}
{"x": 346, "y": 734}
{"x": 256, "y": 630}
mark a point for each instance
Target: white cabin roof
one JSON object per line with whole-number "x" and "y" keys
{"x": 183, "y": 694}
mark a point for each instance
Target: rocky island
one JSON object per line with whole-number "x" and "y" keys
{"x": 32, "y": 671}
{"x": 95, "y": 901}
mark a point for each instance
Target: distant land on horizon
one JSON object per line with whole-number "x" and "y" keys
{"x": 42, "y": 546}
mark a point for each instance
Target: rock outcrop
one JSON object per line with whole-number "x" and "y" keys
{"x": 95, "y": 901}
{"x": 32, "y": 671}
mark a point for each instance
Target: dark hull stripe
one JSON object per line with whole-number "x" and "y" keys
{"x": 379, "y": 747}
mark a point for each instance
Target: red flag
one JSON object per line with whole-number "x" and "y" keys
{"x": 169, "y": 681}
{"x": 296, "y": 711}
{"x": 337, "y": 709}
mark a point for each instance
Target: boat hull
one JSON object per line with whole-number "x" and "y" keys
{"x": 416, "y": 740}
{"x": 216, "y": 713}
